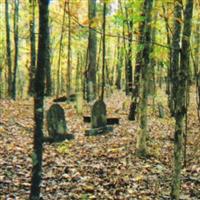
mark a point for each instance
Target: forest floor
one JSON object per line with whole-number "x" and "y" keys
{"x": 101, "y": 167}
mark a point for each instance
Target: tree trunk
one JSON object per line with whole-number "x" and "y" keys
{"x": 92, "y": 48}
{"x": 119, "y": 64}
{"x": 196, "y": 65}
{"x": 137, "y": 74}
{"x": 124, "y": 43}
{"x": 180, "y": 96}
{"x": 60, "y": 53}
{"x": 48, "y": 64}
{"x": 169, "y": 70}
{"x": 39, "y": 100}
{"x": 69, "y": 52}
{"x": 175, "y": 57}
{"x": 141, "y": 138}
{"x": 129, "y": 78}
{"x": 16, "y": 19}
{"x": 103, "y": 50}
{"x": 8, "y": 48}
{"x": 32, "y": 47}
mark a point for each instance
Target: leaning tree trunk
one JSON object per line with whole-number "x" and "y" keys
{"x": 39, "y": 100}
{"x": 142, "y": 134}
{"x": 180, "y": 96}
{"x": 32, "y": 47}
{"x": 8, "y": 48}
{"x": 16, "y": 20}
{"x": 92, "y": 49}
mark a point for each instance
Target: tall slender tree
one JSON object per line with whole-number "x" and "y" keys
{"x": 8, "y": 48}
{"x": 197, "y": 65}
{"x": 119, "y": 63}
{"x": 180, "y": 89}
{"x": 169, "y": 69}
{"x": 138, "y": 69}
{"x": 39, "y": 100}
{"x": 69, "y": 51}
{"x": 32, "y": 48}
{"x": 16, "y": 21}
{"x": 128, "y": 69}
{"x": 60, "y": 51}
{"x": 145, "y": 65}
{"x": 103, "y": 49}
{"x": 92, "y": 49}
{"x": 175, "y": 54}
{"x": 48, "y": 81}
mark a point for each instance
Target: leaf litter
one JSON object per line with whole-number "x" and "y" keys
{"x": 101, "y": 167}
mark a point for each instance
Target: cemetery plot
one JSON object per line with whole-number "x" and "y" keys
{"x": 98, "y": 120}
{"x": 56, "y": 125}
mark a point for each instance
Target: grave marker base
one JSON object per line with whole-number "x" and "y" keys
{"x": 98, "y": 131}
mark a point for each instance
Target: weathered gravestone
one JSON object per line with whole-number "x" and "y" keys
{"x": 99, "y": 114}
{"x": 161, "y": 111}
{"x": 98, "y": 119}
{"x": 56, "y": 124}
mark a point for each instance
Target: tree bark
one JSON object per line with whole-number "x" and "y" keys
{"x": 141, "y": 137}
{"x": 180, "y": 96}
{"x": 119, "y": 64}
{"x": 103, "y": 50}
{"x": 32, "y": 48}
{"x": 196, "y": 66}
{"x": 128, "y": 68}
{"x": 175, "y": 57}
{"x": 16, "y": 20}
{"x": 48, "y": 63}
{"x": 8, "y": 48}
{"x": 92, "y": 49}
{"x": 39, "y": 100}
{"x": 60, "y": 52}
{"x": 69, "y": 51}
{"x": 138, "y": 69}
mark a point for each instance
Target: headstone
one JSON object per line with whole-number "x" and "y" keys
{"x": 99, "y": 114}
{"x": 161, "y": 110}
{"x": 132, "y": 112}
{"x": 56, "y": 123}
{"x": 79, "y": 103}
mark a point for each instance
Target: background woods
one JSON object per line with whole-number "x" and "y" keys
{"x": 124, "y": 71}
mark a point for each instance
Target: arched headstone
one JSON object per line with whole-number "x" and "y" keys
{"x": 99, "y": 114}
{"x": 161, "y": 111}
{"x": 56, "y": 123}
{"x": 98, "y": 120}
